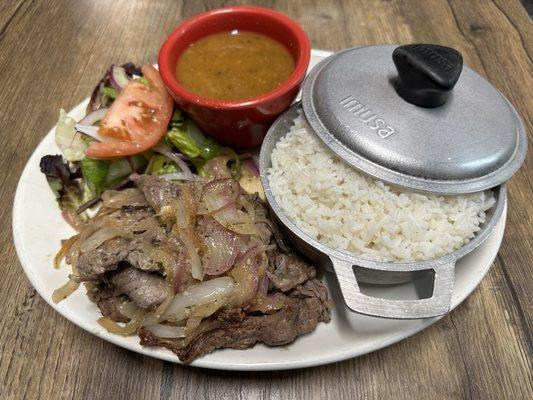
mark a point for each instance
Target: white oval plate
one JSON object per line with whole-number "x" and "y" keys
{"x": 38, "y": 229}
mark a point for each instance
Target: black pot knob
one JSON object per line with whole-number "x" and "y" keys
{"x": 427, "y": 73}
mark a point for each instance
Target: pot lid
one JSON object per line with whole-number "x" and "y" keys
{"x": 413, "y": 116}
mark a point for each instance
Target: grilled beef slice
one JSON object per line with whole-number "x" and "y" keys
{"x": 144, "y": 288}
{"x": 108, "y": 303}
{"x": 134, "y": 220}
{"x": 158, "y": 192}
{"x": 304, "y": 308}
{"x": 286, "y": 271}
{"x": 93, "y": 264}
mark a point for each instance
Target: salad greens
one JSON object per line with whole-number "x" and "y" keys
{"x": 70, "y": 142}
{"x": 95, "y": 173}
{"x": 110, "y": 92}
{"x": 189, "y": 139}
{"x": 64, "y": 182}
{"x": 76, "y": 178}
{"x": 161, "y": 165}
{"x": 120, "y": 168}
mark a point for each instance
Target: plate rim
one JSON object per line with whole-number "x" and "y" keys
{"x": 167, "y": 355}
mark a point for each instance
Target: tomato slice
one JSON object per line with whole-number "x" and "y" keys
{"x": 137, "y": 119}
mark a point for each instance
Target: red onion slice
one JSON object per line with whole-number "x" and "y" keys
{"x": 91, "y": 131}
{"x": 161, "y": 149}
{"x": 252, "y": 166}
{"x": 217, "y": 195}
{"x": 118, "y": 77}
{"x": 246, "y": 276}
{"x": 93, "y": 117}
{"x": 221, "y": 246}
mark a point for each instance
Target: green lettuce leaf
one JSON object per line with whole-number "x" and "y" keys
{"x": 120, "y": 168}
{"x": 95, "y": 173}
{"x": 109, "y": 92}
{"x": 68, "y": 140}
{"x": 190, "y": 140}
{"x": 161, "y": 165}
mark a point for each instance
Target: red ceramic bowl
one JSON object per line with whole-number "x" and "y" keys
{"x": 237, "y": 123}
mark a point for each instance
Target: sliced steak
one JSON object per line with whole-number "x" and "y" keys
{"x": 160, "y": 193}
{"x": 144, "y": 288}
{"x": 314, "y": 292}
{"x": 93, "y": 264}
{"x": 157, "y": 191}
{"x": 286, "y": 271}
{"x": 137, "y": 258}
{"x": 134, "y": 220}
{"x": 304, "y": 308}
{"x": 138, "y": 219}
{"x": 107, "y": 302}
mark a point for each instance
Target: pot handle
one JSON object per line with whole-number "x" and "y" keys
{"x": 437, "y": 304}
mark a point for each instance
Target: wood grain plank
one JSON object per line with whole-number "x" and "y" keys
{"x": 52, "y": 52}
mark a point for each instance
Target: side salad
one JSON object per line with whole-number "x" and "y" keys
{"x": 131, "y": 126}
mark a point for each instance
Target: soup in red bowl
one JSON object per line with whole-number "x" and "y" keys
{"x": 235, "y": 69}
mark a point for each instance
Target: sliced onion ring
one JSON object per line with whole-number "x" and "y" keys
{"x": 162, "y": 149}
{"x": 252, "y": 166}
{"x": 64, "y": 291}
{"x": 100, "y": 236}
{"x": 205, "y": 292}
{"x": 93, "y": 117}
{"x": 91, "y": 131}
{"x": 126, "y": 330}
{"x": 217, "y": 195}
{"x": 118, "y": 77}
{"x": 66, "y": 245}
{"x": 167, "y": 331}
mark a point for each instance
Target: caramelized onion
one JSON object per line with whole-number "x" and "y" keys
{"x": 217, "y": 289}
{"x": 217, "y": 195}
{"x": 185, "y": 211}
{"x": 66, "y": 246}
{"x": 268, "y": 304}
{"x": 64, "y": 291}
{"x": 236, "y": 221}
{"x": 246, "y": 276}
{"x": 128, "y": 309}
{"x": 125, "y": 330}
{"x": 115, "y": 199}
{"x": 167, "y": 331}
{"x": 100, "y": 236}
{"x": 221, "y": 246}
{"x": 167, "y": 258}
{"x": 196, "y": 266}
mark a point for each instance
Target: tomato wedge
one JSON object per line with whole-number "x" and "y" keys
{"x": 137, "y": 119}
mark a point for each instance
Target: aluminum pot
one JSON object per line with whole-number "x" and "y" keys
{"x": 343, "y": 264}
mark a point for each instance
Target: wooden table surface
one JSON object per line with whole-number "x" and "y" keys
{"x": 51, "y": 54}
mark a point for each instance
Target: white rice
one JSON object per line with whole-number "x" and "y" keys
{"x": 351, "y": 212}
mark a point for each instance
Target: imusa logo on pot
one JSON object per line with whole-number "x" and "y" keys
{"x": 367, "y": 116}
